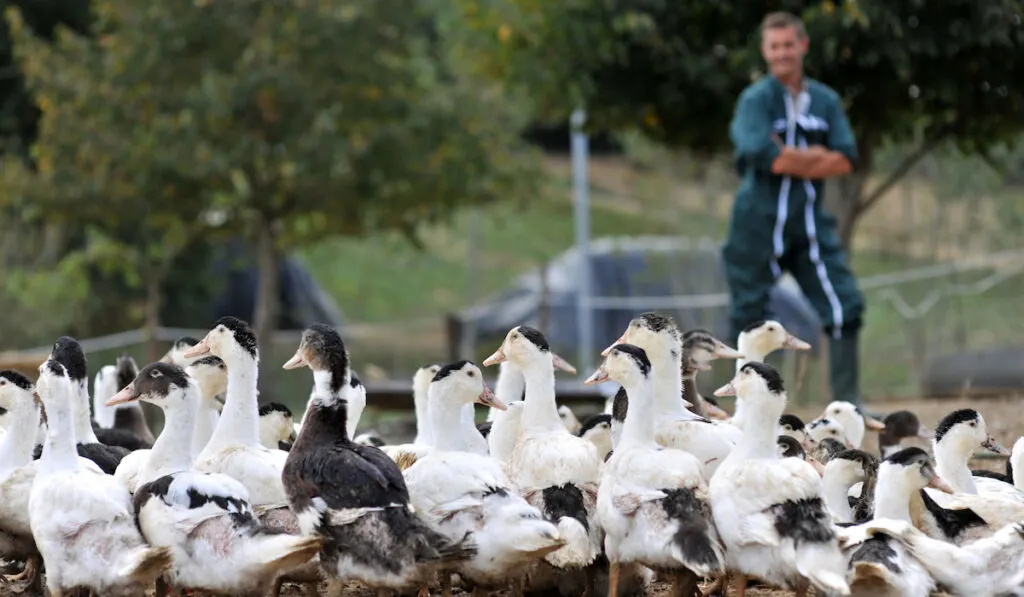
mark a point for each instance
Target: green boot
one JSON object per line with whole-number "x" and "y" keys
{"x": 844, "y": 367}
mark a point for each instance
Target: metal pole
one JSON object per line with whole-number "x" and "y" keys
{"x": 581, "y": 211}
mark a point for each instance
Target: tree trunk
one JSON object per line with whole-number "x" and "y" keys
{"x": 153, "y": 303}
{"x": 268, "y": 299}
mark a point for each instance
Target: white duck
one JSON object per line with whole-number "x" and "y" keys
{"x": 204, "y": 518}
{"x": 235, "y": 448}
{"x": 652, "y": 502}
{"x": 852, "y": 420}
{"x": 820, "y": 429}
{"x": 957, "y": 437}
{"x": 557, "y": 472}
{"x": 847, "y": 469}
{"x": 211, "y": 374}
{"x": 703, "y": 348}
{"x": 757, "y": 341}
{"x": 461, "y": 493}
{"x": 176, "y": 354}
{"x": 770, "y": 511}
{"x": 676, "y": 426}
{"x": 424, "y": 440}
{"x": 880, "y": 567}
{"x": 136, "y": 467}
{"x": 988, "y": 567}
{"x": 83, "y": 523}
{"x": 597, "y": 430}
{"x": 277, "y": 427}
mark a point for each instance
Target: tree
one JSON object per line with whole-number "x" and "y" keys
{"x": 284, "y": 121}
{"x": 946, "y": 72}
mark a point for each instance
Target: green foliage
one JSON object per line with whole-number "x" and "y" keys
{"x": 674, "y": 69}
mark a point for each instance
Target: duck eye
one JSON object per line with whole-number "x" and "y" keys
{"x": 155, "y": 374}
{"x": 973, "y": 424}
{"x": 470, "y": 373}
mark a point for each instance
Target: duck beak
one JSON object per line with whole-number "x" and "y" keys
{"x": 992, "y": 445}
{"x": 794, "y": 343}
{"x": 937, "y": 483}
{"x": 497, "y": 357}
{"x": 704, "y": 367}
{"x": 487, "y": 398}
{"x": 203, "y": 347}
{"x": 726, "y": 390}
{"x": 598, "y": 376}
{"x": 723, "y": 351}
{"x": 126, "y": 395}
{"x": 873, "y": 424}
{"x": 819, "y": 467}
{"x": 297, "y": 360}
{"x": 925, "y": 433}
{"x": 621, "y": 340}
{"x": 167, "y": 357}
{"x": 562, "y": 364}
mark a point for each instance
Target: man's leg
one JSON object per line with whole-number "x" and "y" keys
{"x": 824, "y": 275}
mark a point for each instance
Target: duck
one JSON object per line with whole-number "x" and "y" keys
{"x": 463, "y": 493}
{"x": 205, "y": 519}
{"x": 423, "y": 441}
{"x": 176, "y": 354}
{"x": 211, "y": 375}
{"x": 572, "y": 424}
{"x": 827, "y": 449}
{"x": 68, "y": 352}
{"x": 790, "y": 448}
{"x": 823, "y": 428}
{"x": 83, "y": 523}
{"x": 125, "y": 426}
{"x": 757, "y": 341}
{"x": 957, "y": 436}
{"x": 653, "y": 501}
{"x": 987, "y": 567}
{"x": 504, "y": 431}
{"x": 898, "y": 426}
{"x": 879, "y": 566}
{"x": 1013, "y": 463}
{"x": 848, "y": 468}
{"x": 597, "y": 430}
{"x": 703, "y": 348}
{"x": 18, "y": 471}
{"x": 677, "y": 427}
{"x": 557, "y": 472}
{"x": 508, "y": 388}
{"x": 277, "y": 427}
{"x": 852, "y": 420}
{"x": 770, "y": 512}
{"x": 355, "y": 496}
{"x": 793, "y": 426}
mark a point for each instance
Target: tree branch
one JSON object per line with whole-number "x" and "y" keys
{"x": 902, "y": 170}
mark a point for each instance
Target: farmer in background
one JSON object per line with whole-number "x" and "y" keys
{"x": 790, "y": 133}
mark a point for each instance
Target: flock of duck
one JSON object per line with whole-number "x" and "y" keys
{"x": 232, "y": 498}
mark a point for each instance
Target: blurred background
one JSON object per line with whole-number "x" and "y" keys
{"x": 413, "y": 174}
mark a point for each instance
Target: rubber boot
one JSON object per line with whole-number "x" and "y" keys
{"x": 844, "y": 367}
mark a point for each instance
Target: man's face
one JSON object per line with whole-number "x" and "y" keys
{"x": 783, "y": 50}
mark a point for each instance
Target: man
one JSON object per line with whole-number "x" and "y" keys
{"x": 790, "y": 133}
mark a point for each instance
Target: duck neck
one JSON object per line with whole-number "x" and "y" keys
{"x": 59, "y": 452}
{"x": 836, "y": 492}
{"x": 448, "y": 422}
{"x": 750, "y": 351}
{"x": 951, "y": 459}
{"x": 206, "y": 422}
{"x": 509, "y": 387}
{"x": 239, "y": 419}
{"x": 540, "y": 412}
{"x": 638, "y": 428}
{"x": 892, "y": 496}
{"x": 80, "y": 420}
{"x": 331, "y": 407}
{"x": 690, "y": 393}
{"x": 424, "y": 431}
{"x": 668, "y": 389}
{"x": 172, "y": 450}
{"x": 760, "y": 428}
{"x": 20, "y": 440}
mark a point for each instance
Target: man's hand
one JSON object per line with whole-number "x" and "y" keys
{"x": 814, "y": 162}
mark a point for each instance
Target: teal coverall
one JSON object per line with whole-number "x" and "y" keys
{"x": 778, "y": 223}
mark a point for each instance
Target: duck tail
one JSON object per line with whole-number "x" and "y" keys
{"x": 145, "y": 564}
{"x": 283, "y": 553}
{"x": 695, "y": 540}
{"x": 823, "y": 564}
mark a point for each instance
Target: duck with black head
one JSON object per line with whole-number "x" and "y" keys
{"x": 354, "y": 496}
{"x": 82, "y": 522}
{"x": 68, "y": 352}
{"x": 124, "y": 425}
{"x": 652, "y": 502}
{"x": 558, "y": 472}
{"x": 204, "y": 518}
{"x": 770, "y": 511}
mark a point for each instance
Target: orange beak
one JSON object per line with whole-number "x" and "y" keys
{"x": 621, "y": 340}
{"x": 726, "y": 390}
{"x": 561, "y": 363}
{"x": 296, "y": 361}
{"x": 597, "y": 377}
{"x": 497, "y": 357}
{"x": 487, "y": 398}
{"x": 126, "y": 395}
{"x": 203, "y": 347}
